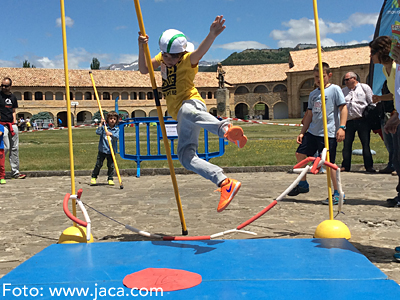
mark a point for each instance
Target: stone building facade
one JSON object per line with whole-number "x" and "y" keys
{"x": 273, "y": 91}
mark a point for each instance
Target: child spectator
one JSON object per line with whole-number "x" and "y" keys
{"x": 2, "y": 157}
{"x": 311, "y": 137}
{"x": 179, "y": 65}
{"x": 28, "y": 124}
{"x": 104, "y": 148}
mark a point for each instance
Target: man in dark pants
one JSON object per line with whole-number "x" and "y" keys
{"x": 357, "y": 96}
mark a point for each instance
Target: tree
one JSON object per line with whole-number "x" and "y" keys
{"x": 95, "y": 65}
{"x": 27, "y": 64}
{"x": 97, "y": 116}
{"x": 42, "y": 115}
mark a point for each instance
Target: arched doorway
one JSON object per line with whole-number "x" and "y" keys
{"x": 261, "y": 111}
{"x": 281, "y": 111}
{"x": 62, "y": 119}
{"x": 83, "y": 117}
{"x": 138, "y": 114}
{"x": 242, "y": 111}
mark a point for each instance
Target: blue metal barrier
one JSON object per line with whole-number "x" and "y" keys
{"x": 169, "y": 123}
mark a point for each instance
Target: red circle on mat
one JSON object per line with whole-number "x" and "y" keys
{"x": 166, "y": 279}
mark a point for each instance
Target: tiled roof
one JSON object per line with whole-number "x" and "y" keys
{"x": 255, "y": 73}
{"x": 102, "y": 78}
{"x": 305, "y": 60}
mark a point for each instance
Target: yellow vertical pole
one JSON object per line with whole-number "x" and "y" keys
{"x": 105, "y": 128}
{"x": 71, "y": 152}
{"x": 161, "y": 118}
{"x": 324, "y": 118}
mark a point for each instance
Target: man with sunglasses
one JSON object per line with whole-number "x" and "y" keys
{"x": 357, "y": 96}
{"x": 8, "y": 118}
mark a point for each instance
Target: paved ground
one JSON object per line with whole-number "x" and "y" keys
{"x": 32, "y": 217}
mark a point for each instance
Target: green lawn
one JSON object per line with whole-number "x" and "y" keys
{"x": 267, "y": 145}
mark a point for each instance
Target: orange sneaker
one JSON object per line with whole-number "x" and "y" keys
{"x": 229, "y": 188}
{"x": 235, "y": 135}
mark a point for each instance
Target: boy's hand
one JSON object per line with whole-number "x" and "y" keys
{"x": 217, "y": 26}
{"x": 109, "y": 133}
{"x": 376, "y": 99}
{"x": 143, "y": 39}
{"x": 300, "y": 138}
{"x": 340, "y": 134}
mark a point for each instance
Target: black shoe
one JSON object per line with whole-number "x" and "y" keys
{"x": 387, "y": 170}
{"x": 395, "y": 199}
{"x": 393, "y": 204}
{"x": 371, "y": 170}
{"x": 298, "y": 190}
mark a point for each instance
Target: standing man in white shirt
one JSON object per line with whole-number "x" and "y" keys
{"x": 358, "y": 96}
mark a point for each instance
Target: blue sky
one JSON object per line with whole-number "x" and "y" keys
{"x": 107, "y": 29}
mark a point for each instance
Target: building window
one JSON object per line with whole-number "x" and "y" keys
{"x": 27, "y": 96}
{"x": 203, "y": 95}
{"x": 115, "y": 95}
{"x": 133, "y": 96}
{"x": 280, "y": 88}
{"x": 261, "y": 89}
{"x": 142, "y": 96}
{"x": 88, "y": 96}
{"x": 59, "y": 96}
{"x": 149, "y": 95}
{"x": 124, "y": 96}
{"x": 78, "y": 96}
{"x": 48, "y": 96}
{"x": 106, "y": 96}
{"x": 38, "y": 96}
{"x": 241, "y": 90}
{"x": 18, "y": 95}
{"x": 308, "y": 84}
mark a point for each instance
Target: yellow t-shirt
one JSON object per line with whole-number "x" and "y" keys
{"x": 390, "y": 79}
{"x": 177, "y": 83}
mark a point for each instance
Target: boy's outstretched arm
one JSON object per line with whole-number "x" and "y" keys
{"x": 142, "y": 59}
{"x": 215, "y": 29}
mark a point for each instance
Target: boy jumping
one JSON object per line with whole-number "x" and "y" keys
{"x": 179, "y": 65}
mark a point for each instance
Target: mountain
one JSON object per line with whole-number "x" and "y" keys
{"x": 124, "y": 67}
{"x": 135, "y": 66}
{"x": 246, "y": 57}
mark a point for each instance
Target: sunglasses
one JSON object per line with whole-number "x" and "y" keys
{"x": 347, "y": 79}
{"x": 5, "y": 86}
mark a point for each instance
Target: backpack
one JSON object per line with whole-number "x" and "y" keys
{"x": 372, "y": 113}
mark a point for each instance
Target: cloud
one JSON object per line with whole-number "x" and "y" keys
{"x": 360, "y": 19}
{"x": 78, "y": 58}
{"x": 8, "y": 64}
{"x": 303, "y": 30}
{"x": 240, "y": 46}
{"x": 68, "y": 22}
{"x": 120, "y": 27}
{"x": 127, "y": 58}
